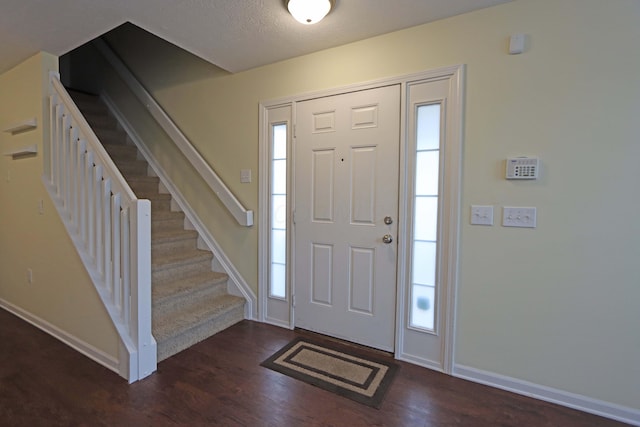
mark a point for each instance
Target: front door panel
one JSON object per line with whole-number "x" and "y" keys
{"x": 346, "y": 183}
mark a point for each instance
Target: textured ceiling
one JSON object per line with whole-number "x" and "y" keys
{"x": 235, "y": 35}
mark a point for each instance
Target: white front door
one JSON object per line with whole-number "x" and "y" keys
{"x": 346, "y": 215}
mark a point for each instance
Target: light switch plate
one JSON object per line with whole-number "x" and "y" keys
{"x": 245, "y": 176}
{"x": 519, "y": 217}
{"x": 481, "y": 215}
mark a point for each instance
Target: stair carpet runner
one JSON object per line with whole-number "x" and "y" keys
{"x": 190, "y": 301}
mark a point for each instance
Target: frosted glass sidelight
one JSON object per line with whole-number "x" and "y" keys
{"x": 422, "y": 306}
{"x": 424, "y": 262}
{"x": 279, "y": 142}
{"x": 278, "y": 220}
{"x": 425, "y": 217}
{"x": 279, "y": 212}
{"x": 426, "y": 214}
{"x": 279, "y": 246}
{"x": 427, "y": 173}
{"x": 428, "y": 131}
{"x": 278, "y": 280}
{"x": 279, "y": 184}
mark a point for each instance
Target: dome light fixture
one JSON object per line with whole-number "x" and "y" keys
{"x": 309, "y": 11}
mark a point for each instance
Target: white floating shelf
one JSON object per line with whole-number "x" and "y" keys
{"x": 22, "y": 126}
{"x": 24, "y": 151}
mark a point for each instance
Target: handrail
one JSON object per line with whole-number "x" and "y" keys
{"x": 109, "y": 226}
{"x": 228, "y": 199}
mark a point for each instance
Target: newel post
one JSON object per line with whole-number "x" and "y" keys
{"x": 140, "y": 268}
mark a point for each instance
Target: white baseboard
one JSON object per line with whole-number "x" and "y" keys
{"x": 548, "y": 394}
{"x": 77, "y": 344}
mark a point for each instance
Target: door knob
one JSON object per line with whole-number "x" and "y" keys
{"x": 388, "y": 220}
{"x": 387, "y": 238}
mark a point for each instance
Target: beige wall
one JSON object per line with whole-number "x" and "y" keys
{"x": 556, "y": 306}
{"x": 61, "y": 294}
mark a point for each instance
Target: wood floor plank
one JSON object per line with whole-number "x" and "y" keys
{"x": 220, "y": 382}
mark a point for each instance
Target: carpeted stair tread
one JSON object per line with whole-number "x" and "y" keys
{"x": 143, "y": 184}
{"x": 166, "y": 215}
{"x": 154, "y": 197}
{"x": 188, "y": 285}
{"x": 170, "y": 235}
{"x": 176, "y": 331}
{"x": 168, "y": 240}
{"x": 129, "y": 167}
{"x": 111, "y": 135}
{"x": 167, "y": 261}
{"x": 144, "y": 178}
{"x": 126, "y": 152}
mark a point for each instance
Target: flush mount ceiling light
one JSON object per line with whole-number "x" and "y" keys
{"x": 309, "y": 11}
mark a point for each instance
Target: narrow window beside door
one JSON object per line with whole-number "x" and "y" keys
{"x": 425, "y": 225}
{"x": 278, "y": 219}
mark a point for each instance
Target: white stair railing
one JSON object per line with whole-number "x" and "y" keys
{"x": 109, "y": 226}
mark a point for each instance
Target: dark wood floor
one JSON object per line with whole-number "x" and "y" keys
{"x": 219, "y": 382}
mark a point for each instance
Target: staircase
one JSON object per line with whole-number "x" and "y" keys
{"x": 190, "y": 301}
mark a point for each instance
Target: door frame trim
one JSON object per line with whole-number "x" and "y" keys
{"x": 453, "y": 164}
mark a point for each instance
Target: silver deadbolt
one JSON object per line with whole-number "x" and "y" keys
{"x": 388, "y": 220}
{"x": 387, "y": 238}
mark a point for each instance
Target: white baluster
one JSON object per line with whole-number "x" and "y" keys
{"x": 73, "y": 177}
{"x": 116, "y": 249}
{"x": 82, "y": 190}
{"x": 58, "y": 149}
{"x": 125, "y": 238}
{"x": 64, "y": 160}
{"x": 91, "y": 227}
{"x": 106, "y": 229}
{"x": 98, "y": 222}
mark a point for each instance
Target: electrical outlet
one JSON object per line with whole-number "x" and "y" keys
{"x": 519, "y": 217}
{"x": 481, "y": 215}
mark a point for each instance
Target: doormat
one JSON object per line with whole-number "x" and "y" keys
{"x": 332, "y": 368}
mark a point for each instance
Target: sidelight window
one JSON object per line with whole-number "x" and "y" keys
{"x": 425, "y": 218}
{"x": 278, "y": 217}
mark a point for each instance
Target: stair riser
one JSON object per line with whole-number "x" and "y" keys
{"x": 111, "y": 136}
{"x": 121, "y": 152}
{"x": 182, "y": 301}
{"x": 131, "y": 168}
{"x": 173, "y": 247}
{"x": 143, "y": 187}
{"x": 165, "y": 224}
{"x": 171, "y": 346}
{"x": 161, "y": 205}
{"x": 100, "y": 120}
{"x": 179, "y": 271}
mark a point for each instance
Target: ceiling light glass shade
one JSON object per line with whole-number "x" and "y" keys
{"x": 309, "y": 11}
